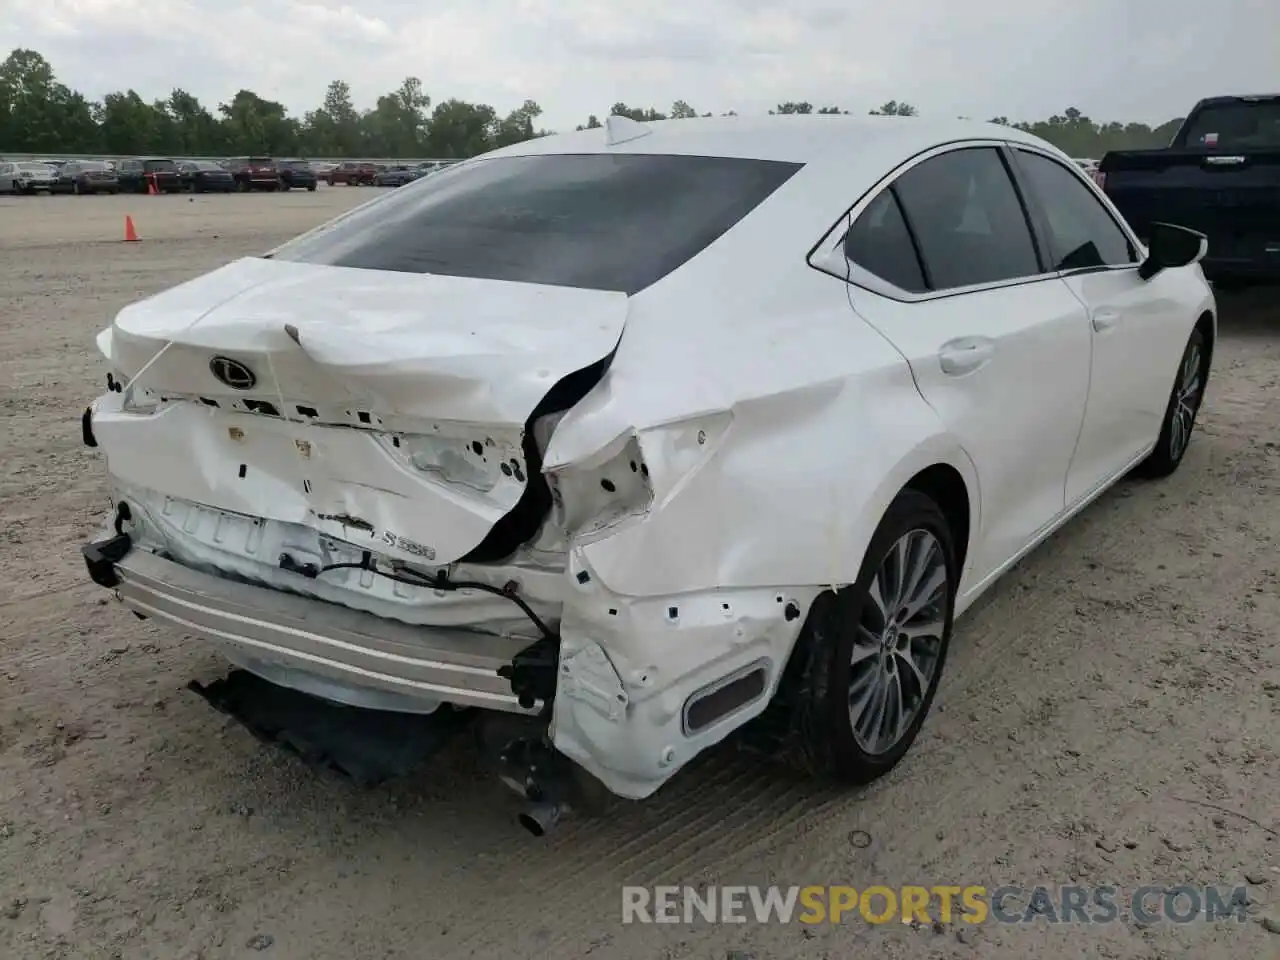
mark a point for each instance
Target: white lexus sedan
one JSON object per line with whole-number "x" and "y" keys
{"x": 637, "y": 434}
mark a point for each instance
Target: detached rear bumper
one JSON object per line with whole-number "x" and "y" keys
{"x": 309, "y": 645}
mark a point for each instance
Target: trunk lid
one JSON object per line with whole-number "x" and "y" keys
{"x": 376, "y": 407}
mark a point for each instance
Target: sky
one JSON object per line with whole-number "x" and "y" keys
{"x": 1128, "y": 60}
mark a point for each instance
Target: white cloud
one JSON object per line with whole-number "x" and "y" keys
{"x": 1114, "y": 59}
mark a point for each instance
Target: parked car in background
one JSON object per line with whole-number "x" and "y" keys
{"x": 8, "y": 176}
{"x": 254, "y": 173}
{"x": 296, "y": 173}
{"x": 517, "y": 496}
{"x": 1220, "y": 175}
{"x": 28, "y": 177}
{"x": 352, "y": 173}
{"x": 87, "y": 176}
{"x": 205, "y": 176}
{"x": 137, "y": 174}
{"x": 396, "y": 176}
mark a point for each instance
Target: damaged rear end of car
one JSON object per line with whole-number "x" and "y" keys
{"x": 343, "y": 464}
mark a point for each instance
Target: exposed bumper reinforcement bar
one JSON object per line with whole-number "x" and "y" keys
{"x": 310, "y": 637}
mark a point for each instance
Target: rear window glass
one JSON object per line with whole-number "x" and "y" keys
{"x": 295, "y": 164}
{"x": 205, "y": 165}
{"x": 35, "y": 167}
{"x": 261, "y": 161}
{"x": 598, "y": 221}
{"x": 153, "y": 165}
{"x": 1239, "y": 125}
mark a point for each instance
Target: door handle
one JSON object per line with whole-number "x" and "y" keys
{"x": 958, "y": 357}
{"x": 1105, "y": 319}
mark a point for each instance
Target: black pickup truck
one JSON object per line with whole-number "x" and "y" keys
{"x": 1220, "y": 176}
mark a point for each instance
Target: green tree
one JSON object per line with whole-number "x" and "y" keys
{"x": 38, "y": 114}
{"x": 257, "y": 126}
{"x": 895, "y": 109}
{"x": 516, "y": 126}
{"x": 397, "y": 126}
{"x": 460, "y": 129}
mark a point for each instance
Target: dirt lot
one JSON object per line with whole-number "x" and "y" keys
{"x": 1111, "y": 714}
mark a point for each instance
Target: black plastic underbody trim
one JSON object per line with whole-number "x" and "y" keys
{"x": 101, "y": 557}
{"x": 366, "y": 746}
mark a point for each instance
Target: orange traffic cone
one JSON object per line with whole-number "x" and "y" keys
{"x": 130, "y": 234}
{"x": 151, "y": 186}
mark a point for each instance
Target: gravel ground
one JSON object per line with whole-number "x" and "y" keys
{"x": 1110, "y": 714}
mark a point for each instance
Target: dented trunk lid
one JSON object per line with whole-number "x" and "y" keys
{"x": 375, "y": 407}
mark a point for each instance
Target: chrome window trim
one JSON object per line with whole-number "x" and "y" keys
{"x": 828, "y": 255}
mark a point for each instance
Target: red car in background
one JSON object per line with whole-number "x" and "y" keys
{"x": 352, "y": 174}
{"x": 254, "y": 173}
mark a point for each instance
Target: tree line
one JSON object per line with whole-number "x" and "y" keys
{"x": 39, "y": 114}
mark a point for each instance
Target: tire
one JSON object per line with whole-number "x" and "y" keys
{"x": 75, "y": 188}
{"x": 311, "y": 188}
{"x": 284, "y": 186}
{"x": 242, "y": 187}
{"x": 1180, "y": 415}
{"x": 811, "y": 723}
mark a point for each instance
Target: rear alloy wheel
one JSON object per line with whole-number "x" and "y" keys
{"x": 899, "y": 635}
{"x": 865, "y": 668}
{"x": 1180, "y": 415}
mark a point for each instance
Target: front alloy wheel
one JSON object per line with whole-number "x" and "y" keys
{"x": 1180, "y": 415}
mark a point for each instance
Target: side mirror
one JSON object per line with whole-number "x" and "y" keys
{"x": 1172, "y": 246}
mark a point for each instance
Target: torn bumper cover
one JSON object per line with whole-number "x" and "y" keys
{"x": 640, "y": 688}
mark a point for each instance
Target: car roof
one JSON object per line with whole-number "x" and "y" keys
{"x": 796, "y": 138}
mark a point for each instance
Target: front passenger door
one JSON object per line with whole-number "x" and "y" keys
{"x": 1134, "y": 355}
{"x": 949, "y": 272}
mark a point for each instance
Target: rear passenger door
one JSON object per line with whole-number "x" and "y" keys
{"x": 945, "y": 264}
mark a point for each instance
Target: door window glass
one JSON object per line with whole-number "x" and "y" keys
{"x": 967, "y": 219}
{"x": 1081, "y": 231}
{"x": 880, "y": 243}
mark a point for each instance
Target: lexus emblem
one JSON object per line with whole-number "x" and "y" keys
{"x": 233, "y": 373}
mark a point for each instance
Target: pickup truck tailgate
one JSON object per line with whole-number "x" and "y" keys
{"x": 1233, "y": 199}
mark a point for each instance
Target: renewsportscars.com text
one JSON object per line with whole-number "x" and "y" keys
{"x": 971, "y": 904}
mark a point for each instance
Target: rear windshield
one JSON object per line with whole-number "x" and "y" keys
{"x": 1239, "y": 125}
{"x": 36, "y": 168}
{"x": 91, "y": 165}
{"x": 260, "y": 162}
{"x": 205, "y": 165}
{"x": 295, "y": 164}
{"x": 154, "y": 165}
{"x": 599, "y": 221}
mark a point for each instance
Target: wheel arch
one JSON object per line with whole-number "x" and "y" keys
{"x": 945, "y": 485}
{"x": 1207, "y": 324}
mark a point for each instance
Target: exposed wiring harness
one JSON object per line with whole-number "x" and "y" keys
{"x": 440, "y": 581}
